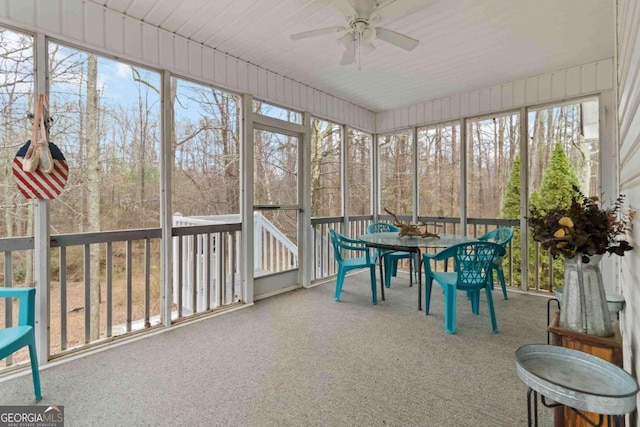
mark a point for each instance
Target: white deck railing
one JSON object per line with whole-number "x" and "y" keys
{"x": 206, "y": 264}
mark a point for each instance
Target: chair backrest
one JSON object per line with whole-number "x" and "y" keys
{"x": 26, "y": 305}
{"x": 335, "y": 242}
{"x": 501, "y": 236}
{"x": 473, "y": 261}
{"x": 341, "y": 242}
{"x": 381, "y": 227}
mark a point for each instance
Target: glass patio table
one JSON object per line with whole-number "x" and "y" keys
{"x": 415, "y": 244}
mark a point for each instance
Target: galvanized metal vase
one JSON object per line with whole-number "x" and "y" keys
{"x": 584, "y": 300}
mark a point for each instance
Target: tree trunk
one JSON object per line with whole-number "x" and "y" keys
{"x": 93, "y": 191}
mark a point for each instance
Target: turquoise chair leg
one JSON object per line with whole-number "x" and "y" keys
{"x": 394, "y": 268}
{"x": 502, "y": 282}
{"x": 428, "y": 284}
{"x": 475, "y": 301}
{"x": 374, "y": 291}
{"x": 494, "y": 323}
{"x": 339, "y": 282}
{"x": 450, "y": 309}
{"x": 35, "y": 373}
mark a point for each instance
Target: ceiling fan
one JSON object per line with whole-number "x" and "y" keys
{"x": 362, "y": 29}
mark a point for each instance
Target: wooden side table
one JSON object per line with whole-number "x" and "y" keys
{"x": 609, "y": 349}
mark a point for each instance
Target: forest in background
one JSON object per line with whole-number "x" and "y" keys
{"x": 107, "y": 123}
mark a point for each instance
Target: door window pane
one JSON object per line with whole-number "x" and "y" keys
{"x": 275, "y": 168}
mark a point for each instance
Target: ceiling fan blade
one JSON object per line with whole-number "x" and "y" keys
{"x": 345, "y": 7}
{"x": 396, "y": 39}
{"x": 349, "y": 54}
{"x": 317, "y": 32}
{"x": 388, "y": 11}
{"x": 363, "y": 8}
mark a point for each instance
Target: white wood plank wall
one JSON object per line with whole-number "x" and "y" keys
{"x": 92, "y": 26}
{"x": 572, "y": 82}
{"x": 628, "y": 72}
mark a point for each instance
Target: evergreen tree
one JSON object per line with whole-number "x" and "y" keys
{"x": 511, "y": 210}
{"x": 557, "y": 188}
{"x": 558, "y": 183}
{"x": 511, "y": 206}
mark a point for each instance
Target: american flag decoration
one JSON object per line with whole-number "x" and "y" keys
{"x": 38, "y": 184}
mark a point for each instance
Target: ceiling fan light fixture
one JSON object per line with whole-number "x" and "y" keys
{"x": 368, "y": 35}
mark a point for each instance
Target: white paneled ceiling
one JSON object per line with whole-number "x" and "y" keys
{"x": 464, "y": 44}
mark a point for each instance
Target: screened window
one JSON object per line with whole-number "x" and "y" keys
{"x": 107, "y": 124}
{"x": 564, "y": 152}
{"x": 359, "y": 172}
{"x": 276, "y": 112}
{"x": 16, "y": 100}
{"x": 206, "y": 150}
{"x": 571, "y": 129}
{"x": 439, "y": 171}
{"x": 326, "y": 171}
{"x": 492, "y": 150}
{"x": 396, "y": 173}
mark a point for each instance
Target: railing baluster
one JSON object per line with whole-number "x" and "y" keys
{"x": 62, "y": 277}
{"x": 109, "y": 278}
{"x": 87, "y": 293}
{"x": 536, "y": 270}
{"x": 206, "y": 257}
{"x": 147, "y": 282}
{"x": 234, "y": 254}
{"x": 194, "y": 274}
{"x": 129, "y": 273}
{"x": 218, "y": 270}
{"x": 181, "y": 257}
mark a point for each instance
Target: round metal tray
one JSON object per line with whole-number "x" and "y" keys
{"x": 576, "y": 379}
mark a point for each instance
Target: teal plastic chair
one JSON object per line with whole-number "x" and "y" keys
{"x": 501, "y": 236}
{"x": 472, "y": 262}
{"x": 14, "y": 338}
{"x": 342, "y": 243}
{"x": 390, "y": 258}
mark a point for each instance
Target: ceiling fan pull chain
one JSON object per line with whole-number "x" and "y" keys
{"x": 359, "y": 51}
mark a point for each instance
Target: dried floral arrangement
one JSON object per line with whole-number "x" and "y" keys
{"x": 411, "y": 229}
{"x": 584, "y": 228}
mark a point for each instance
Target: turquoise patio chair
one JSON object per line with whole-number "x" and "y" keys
{"x": 345, "y": 264}
{"x": 390, "y": 258}
{"x": 14, "y": 338}
{"x": 472, "y": 262}
{"x": 501, "y": 236}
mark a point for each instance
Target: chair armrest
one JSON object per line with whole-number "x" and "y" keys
{"x": 27, "y": 300}
{"x": 350, "y": 240}
{"x": 439, "y": 256}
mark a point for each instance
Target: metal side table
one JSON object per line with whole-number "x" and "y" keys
{"x": 575, "y": 379}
